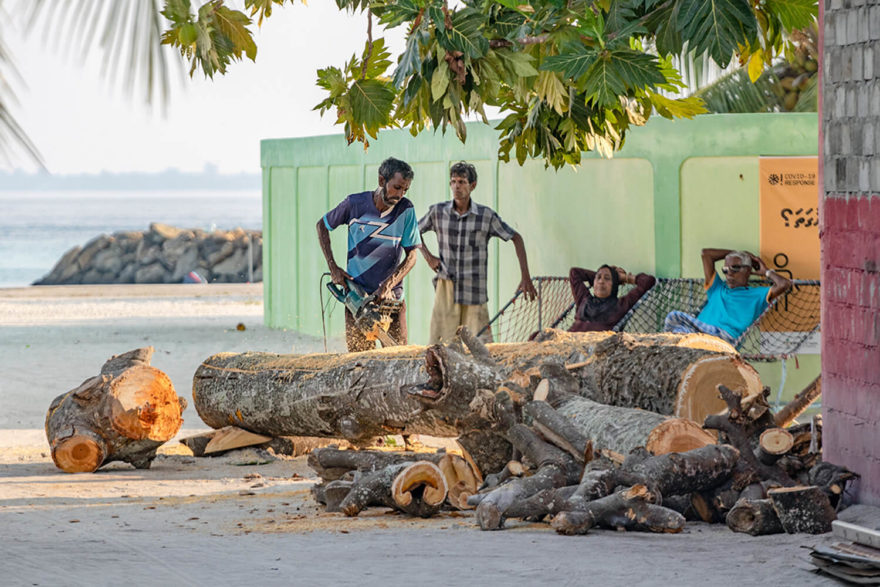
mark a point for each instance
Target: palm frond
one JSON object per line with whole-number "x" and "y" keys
{"x": 126, "y": 34}
{"x": 734, "y": 92}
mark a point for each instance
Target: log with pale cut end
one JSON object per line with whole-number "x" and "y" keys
{"x": 416, "y": 488}
{"x": 419, "y": 489}
{"x": 754, "y": 516}
{"x": 803, "y": 509}
{"x": 123, "y": 414}
{"x": 772, "y": 444}
{"x": 461, "y": 480}
{"x": 441, "y": 391}
{"x": 621, "y": 429}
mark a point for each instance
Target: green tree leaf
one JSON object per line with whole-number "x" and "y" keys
{"x": 464, "y": 34}
{"x": 793, "y": 14}
{"x": 371, "y": 102}
{"x": 716, "y": 27}
{"x": 573, "y": 64}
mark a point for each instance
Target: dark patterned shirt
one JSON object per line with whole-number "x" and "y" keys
{"x": 464, "y": 246}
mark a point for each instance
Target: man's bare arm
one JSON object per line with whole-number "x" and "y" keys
{"x": 780, "y": 284}
{"x": 525, "y": 283}
{"x": 432, "y": 260}
{"x": 337, "y": 273}
{"x": 409, "y": 261}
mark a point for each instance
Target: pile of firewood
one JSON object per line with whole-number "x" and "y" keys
{"x": 568, "y": 470}
{"x": 580, "y": 430}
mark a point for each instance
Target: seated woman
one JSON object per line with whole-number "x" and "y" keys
{"x": 602, "y": 309}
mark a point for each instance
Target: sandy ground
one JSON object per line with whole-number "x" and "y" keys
{"x": 247, "y": 517}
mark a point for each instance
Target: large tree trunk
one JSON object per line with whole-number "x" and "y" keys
{"x": 357, "y": 396}
{"x": 123, "y": 414}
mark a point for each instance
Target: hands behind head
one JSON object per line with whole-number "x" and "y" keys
{"x": 758, "y": 266}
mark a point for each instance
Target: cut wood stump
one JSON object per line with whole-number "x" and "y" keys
{"x": 123, "y": 414}
{"x": 803, "y": 509}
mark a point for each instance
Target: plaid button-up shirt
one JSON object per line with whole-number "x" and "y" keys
{"x": 464, "y": 246}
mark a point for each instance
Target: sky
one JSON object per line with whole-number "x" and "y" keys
{"x": 81, "y": 124}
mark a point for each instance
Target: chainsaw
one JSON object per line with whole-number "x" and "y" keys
{"x": 371, "y": 316}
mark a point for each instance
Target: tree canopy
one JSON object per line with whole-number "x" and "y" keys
{"x": 567, "y": 76}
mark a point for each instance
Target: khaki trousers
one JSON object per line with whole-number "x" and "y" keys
{"x": 447, "y": 316}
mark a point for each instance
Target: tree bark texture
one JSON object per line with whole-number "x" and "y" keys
{"x": 358, "y": 396}
{"x": 803, "y": 509}
{"x": 622, "y": 429}
{"x": 123, "y": 414}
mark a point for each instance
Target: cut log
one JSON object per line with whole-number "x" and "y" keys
{"x": 420, "y": 489}
{"x": 415, "y": 488}
{"x": 803, "y": 509}
{"x": 754, "y": 516}
{"x": 799, "y": 404}
{"x": 460, "y": 480}
{"x": 625, "y": 510}
{"x": 358, "y": 396}
{"x": 292, "y": 446}
{"x": 123, "y": 414}
{"x": 621, "y": 430}
{"x": 772, "y": 444}
{"x": 231, "y": 437}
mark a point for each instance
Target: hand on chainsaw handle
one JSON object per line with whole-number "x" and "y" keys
{"x": 384, "y": 291}
{"x": 339, "y": 276}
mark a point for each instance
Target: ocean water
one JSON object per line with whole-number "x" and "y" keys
{"x": 38, "y": 227}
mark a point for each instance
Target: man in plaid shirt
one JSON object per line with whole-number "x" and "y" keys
{"x": 463, "y": 229}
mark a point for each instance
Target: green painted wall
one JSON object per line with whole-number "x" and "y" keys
{"x": 674, "y": 188}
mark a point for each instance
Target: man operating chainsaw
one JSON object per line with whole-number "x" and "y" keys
{"x": 382, "y": 224}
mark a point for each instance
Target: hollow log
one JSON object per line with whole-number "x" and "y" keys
{"x": 628, "y": 509}
{"x": 417, "y": 489}
{"x": 357, "y": 396}
{"x": 754, "y": 516}
{"x": 122, "y": 414}
{"x": 803, "y": 509}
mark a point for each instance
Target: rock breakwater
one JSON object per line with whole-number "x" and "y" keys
{"x": 162, "y": 254}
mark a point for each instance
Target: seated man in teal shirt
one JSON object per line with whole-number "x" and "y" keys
{"x": 731, "y": 305}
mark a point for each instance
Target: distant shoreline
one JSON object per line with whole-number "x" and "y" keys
{"x": 171, "y": 179}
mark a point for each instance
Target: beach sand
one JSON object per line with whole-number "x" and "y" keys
{"x": 245, "y": 518}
